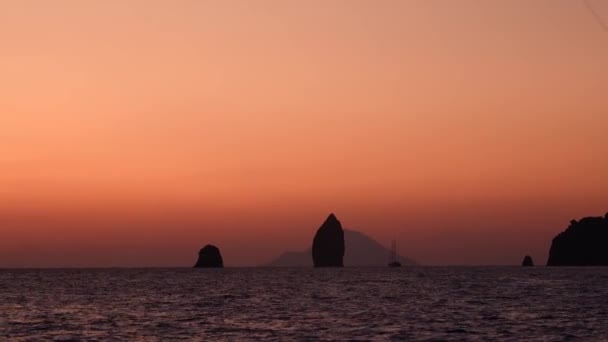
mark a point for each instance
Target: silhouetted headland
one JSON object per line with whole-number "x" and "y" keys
{"x": 528, "y": 262}
{"x": 584, "y": 243}
{"x": 328, "y": 244}
{"x": 209, "y": 257}
{"x": 362, "y": 251}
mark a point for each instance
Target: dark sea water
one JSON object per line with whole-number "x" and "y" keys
{"x": 410, "y": 303}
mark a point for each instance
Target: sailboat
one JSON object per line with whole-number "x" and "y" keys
{"x": 392, "y": 259}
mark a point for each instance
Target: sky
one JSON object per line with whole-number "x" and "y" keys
{"x": 134, "y": 132}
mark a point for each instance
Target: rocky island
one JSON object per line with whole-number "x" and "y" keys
{"x": 209, "y": 257}
{"x": 584, "y": 243}
{"x": 328, "y": 244}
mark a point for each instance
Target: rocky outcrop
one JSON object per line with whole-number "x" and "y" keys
{"x": 584, "y": 243}
{"x": 528, "y": 262}
{"x": 328, "y": 244}
{"x": 209, "y": 257}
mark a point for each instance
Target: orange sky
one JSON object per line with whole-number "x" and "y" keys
{"x": 133, "y": 132}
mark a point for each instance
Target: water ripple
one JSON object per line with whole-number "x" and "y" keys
{"x": 420, "y": 304}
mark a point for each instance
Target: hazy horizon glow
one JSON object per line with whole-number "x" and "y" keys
{"x": 134, "y": 132}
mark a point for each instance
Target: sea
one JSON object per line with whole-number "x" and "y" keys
{"x": 305, "y": 304}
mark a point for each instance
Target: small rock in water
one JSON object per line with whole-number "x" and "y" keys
{"x": 527, "y": 261}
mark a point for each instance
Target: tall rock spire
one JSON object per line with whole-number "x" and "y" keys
{"x": 328, "y": 245}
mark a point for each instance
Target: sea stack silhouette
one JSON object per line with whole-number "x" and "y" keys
{"x": 209, "y": 257}
{"x": 528, "y": 262}
{"x": 584, "y": 243}
{"x": 328, "y": 245}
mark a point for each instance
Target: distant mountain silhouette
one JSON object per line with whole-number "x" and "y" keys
{"x": 328, "y": 244}
{"x": 528, "y": 262}
{"x": 584, "y": 243}
{"x": 361, "y": 250}
{"x": 209, "y": 257}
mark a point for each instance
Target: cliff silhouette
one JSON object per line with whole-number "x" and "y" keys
{"x": 583, "y": 243}
{"x": 361, "y": 251}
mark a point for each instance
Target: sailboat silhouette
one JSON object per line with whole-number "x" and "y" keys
{"x": 392, "y": 259}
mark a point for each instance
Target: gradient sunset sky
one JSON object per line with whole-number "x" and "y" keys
{"x": 133, "y": 132}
